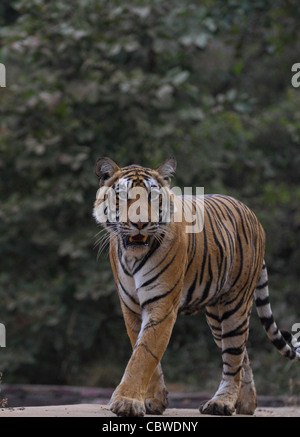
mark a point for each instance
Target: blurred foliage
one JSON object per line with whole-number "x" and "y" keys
{"x": 208, "y": 82}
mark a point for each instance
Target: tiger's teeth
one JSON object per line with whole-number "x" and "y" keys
{"x": 130, "y": 239}
{"x": 144, "y": 239}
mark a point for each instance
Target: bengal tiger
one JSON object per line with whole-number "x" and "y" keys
{"x": 161, "y": 270}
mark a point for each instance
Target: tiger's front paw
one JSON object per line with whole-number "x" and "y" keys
{"x": 127, "y": 407}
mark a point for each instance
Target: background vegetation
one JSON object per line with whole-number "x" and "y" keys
{"x": 206, "y": 81}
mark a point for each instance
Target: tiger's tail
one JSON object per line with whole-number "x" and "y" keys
{"x": 284, "y": 341}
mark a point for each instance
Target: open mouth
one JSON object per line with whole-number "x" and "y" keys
{"x": 136, "y": 240}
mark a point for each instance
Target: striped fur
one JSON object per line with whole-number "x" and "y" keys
{"x": 280, "y": 339}
{"x": 217, "y": 270}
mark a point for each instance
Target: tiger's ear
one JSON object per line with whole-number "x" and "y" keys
{"x": 167, "y": 169}
{"x": 104, "y": 169}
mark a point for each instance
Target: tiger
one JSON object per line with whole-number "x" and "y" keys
{"x": 161, "y": 271}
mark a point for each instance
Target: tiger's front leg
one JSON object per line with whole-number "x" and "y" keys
{"x": 129, "y": 398}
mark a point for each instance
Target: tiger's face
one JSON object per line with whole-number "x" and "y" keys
{"x": 134, "y": 204}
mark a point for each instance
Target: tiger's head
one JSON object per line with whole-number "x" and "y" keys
{"x": 134, "y": 203}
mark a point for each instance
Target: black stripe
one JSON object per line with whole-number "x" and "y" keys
{"x": 267, "y": 321}
{"x": 228, "y": 245}
{"x": 128, "y": 307}
{"x": 120, "y": 261}
{"x": 259, "y": 287}
{"x": 204, "y": 256}
{"x": 190, "y": 292}
{"x": 153, "y": 248}
{"x": 229, "y": 313}
{"x": 261, "y": 302}
{"x": 212, "y": 316}
{"x": 189, "y": 242}
{"x": 237, "y": 331}
{"x": 233, "y": 373}
{"x": 147, "y": 349}
{"x": 230, "y": 214}
{"x": 159, "y": 273}
{"x": 224, "y": 276}
{"x": 193, "y": 252}
{"x": 208, "y": 285}
{"x": 215, "y": 328}
{"x": 286, "y": 335}
{"x": 153, "y": 323}
{"x": 280, "y": 343}
{"x": 290, "y": 353}
{"x": 235, "y": 203}
{"x": 232, "y": 219}
{"x": 160, "y": 296}
{"x": 241, "y": 261}
{"x": 216, "y": 202}
{"x": 155, "y": 267}
{"x": 127, "y": 294}
{"x": 215, "y": 235}
{"x": 244, "y": 219}
{"x": 233, "y": 351}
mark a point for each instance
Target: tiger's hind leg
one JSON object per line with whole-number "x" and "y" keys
{"x": 230, "y": 326}
{"x": 246, "y": 403}
{"x": 222, "y": 402}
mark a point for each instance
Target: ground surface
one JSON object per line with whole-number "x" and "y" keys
{"x": 93, "y": 410}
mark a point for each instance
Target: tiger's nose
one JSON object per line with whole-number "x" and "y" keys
{"x": 140, "y": 225}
